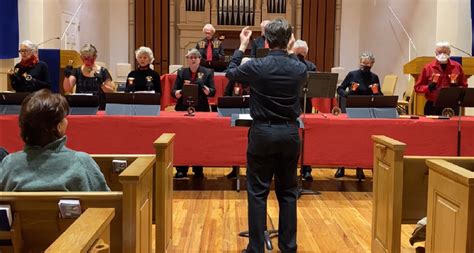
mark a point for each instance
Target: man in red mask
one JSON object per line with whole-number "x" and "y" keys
{"x": 441, "y": 72}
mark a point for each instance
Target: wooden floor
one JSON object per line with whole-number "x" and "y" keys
{"x": 209, "y": 214}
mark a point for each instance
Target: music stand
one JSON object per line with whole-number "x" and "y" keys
{"x": 190, "y": 97}
{"x": 80, "y": 104}
{"x": 262, "y": 52}
{"x": 133, "y": 104}
{"x": 456, "y": 97}
{"x": 372, "y": 106}
{"x": 10, "y": 102}
{"x": 228, "y": 105}
{"x": 318, "y": 85}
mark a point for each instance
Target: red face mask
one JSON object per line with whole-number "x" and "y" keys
{"x": 88, "y": 61}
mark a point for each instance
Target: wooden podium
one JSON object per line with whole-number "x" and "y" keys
{"x": 414, "y": 68}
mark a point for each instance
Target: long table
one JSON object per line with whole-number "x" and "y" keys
{"x": 220, "y": 81}
{"x": 209, "y": 140}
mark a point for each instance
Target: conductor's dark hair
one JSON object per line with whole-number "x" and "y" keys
{"x": 278, "y": 33}
{"x": 40, "y": 115}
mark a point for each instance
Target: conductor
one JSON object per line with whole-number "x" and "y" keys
{"x": 273, "y": 141}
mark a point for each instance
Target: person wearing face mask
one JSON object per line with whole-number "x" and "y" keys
{"x": 359, "y": 82}
{"x": 30, "y": 74}
{"x": 45, "y": 163}
{"x": 300, "y": 48}
{"x": 204, "y": 79}
{"x": 143, "y": 78}
{"x": 441, "y": 72}
{"x": 89, "y": 77}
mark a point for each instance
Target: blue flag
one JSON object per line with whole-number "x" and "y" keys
{"x": 9, "y": 34}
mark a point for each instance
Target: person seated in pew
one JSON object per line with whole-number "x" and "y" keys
{"x": 45, "y": 163}
{"x": 300, "y": 48}
{"x": 89, "y": 77}
{"x": 143, "y": 78}
{"x": 259, "y": 42}
{"x": 204, "y": 79}
{"x": 30, "y": 74}
{"x": 237, "y": 89}
{"x": 441, "y": 72}
{"x": 360, "y": 82}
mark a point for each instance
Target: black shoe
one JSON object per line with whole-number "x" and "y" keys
{"x": 180, "y": 174}
{"x": 198, "y": 175}
{"x": 307, "y": 176}
{"x": 360, "y": 174}
{"x": 340, "y": 172}
{"x": 232, "y": 174}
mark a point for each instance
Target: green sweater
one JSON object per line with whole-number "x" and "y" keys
{"x": 53, "y": 167}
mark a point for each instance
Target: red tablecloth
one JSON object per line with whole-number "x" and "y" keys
{"x": 167, "y": 82}
{"x": 209, "y": 140}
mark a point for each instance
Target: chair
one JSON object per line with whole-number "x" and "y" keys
{"x": 121, "y": 76}
{"x": 174, "y": 68}
{"x": 405, "y": 105}
{"x": 389, "y": 84}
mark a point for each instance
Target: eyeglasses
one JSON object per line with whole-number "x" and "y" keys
{"x": 24, "y": 51}
{"x": 192, "y": 57}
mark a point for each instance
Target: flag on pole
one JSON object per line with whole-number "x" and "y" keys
{"x": 9, "y": 33}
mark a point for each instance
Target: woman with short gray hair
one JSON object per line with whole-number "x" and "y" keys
{"x": 30, "y": 74}
{"x": 143, "y": 78}
{"x": 89, "y": 77}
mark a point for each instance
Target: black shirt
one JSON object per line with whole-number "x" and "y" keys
{"x": 140, "y": 82}
{"x": 364, "y": 79}
{"x": 39, "y": 80}
{"x": 203, "y": 77}
{"x": 85, "y": 84}
{"x": 275, "y": 84}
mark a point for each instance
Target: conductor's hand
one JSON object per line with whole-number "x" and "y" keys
{"x": 245, "y": 36}
{"x": 432, "y": 87}
{"x": 291, "y": 42}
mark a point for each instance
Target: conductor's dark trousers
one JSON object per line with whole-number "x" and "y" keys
{"x": 273, "y": 150}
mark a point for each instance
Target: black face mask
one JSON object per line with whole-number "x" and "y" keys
{"x": 365, "y": 69}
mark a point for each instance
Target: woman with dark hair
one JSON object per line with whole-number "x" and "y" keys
{"x": 30, "y": 74}
{"x": 89, "y": 77}
{"x": 46, "y": 164}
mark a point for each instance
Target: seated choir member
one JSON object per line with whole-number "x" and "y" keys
{"x": 46, "y": 164}
{"x": 210, "y": 47}
{"x": 143, "y": 78}
{"x": 359, "y": 82}
{"x": 202, "y": 77}
{"x": 441, "y": 72}
{"x": 237, "y": 89}
{"x": 300, "y": 48}
{"x": 89, "y": 77}
{"x": 259, "y": 42}
{"x": 30, "y": 74}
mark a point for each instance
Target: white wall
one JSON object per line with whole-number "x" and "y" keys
{"x": 369, "y": 25}
{"x": 103, "y": 23}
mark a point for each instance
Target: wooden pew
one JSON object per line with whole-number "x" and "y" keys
{"x": 89, "y": 233}
{"x": 400, "y": 190}
{"x": 450, "y": 224}
{"x": 36, "y": 223}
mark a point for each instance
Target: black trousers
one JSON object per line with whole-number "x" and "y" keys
{"x": 430, "y": 109}
{"x": 184, "y": 169}
{"x": 273, "y": 150}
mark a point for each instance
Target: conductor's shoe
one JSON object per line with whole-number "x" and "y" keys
{"x": 339, "y": 172}
{"x": 360, "y": 174}
{"x": 307, "y": 176}
{"x": 180, "y": 174}
{"x": 198, "y": 175}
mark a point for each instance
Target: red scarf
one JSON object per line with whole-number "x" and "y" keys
{"x": 30, "y": 62}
